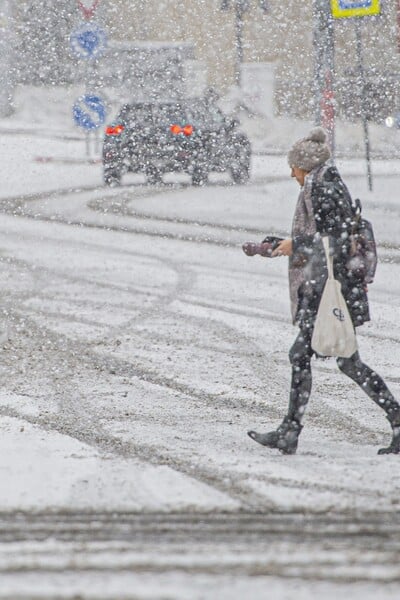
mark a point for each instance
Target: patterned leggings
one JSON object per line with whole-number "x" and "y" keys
{"x": 369, "y": 381}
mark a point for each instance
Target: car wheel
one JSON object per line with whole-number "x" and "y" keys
{"x": 112, "y": 177}
{"x": 240, "y": 175}
{"x": 153, "y": 175}
{"x": 199, "y": 176}
{"x": 240, "y": 167}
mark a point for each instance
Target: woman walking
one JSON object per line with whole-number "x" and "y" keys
{"x": 324, "y": 208}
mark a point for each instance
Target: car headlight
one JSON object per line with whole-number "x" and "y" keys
{"x": 389, "y": 122}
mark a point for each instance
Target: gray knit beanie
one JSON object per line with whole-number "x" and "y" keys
{"x": 311, "y": 151}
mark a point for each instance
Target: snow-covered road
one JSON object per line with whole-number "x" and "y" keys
{"x": 143, "y": 344}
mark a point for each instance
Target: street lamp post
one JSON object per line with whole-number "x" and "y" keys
{"x": 240, "y": 7}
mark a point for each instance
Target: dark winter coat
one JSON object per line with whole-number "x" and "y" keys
{"x": 331, "y": 206}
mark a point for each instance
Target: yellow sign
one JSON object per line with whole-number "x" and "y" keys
{"x": 355, "y": 8}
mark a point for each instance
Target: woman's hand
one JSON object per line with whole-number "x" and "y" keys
{"x": 285, "y": 248}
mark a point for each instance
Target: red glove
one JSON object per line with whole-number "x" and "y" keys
{"x": 253, "y": 248}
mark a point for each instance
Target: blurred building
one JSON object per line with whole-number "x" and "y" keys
{"x": 281, "y": 37}
{"x": 277, "y": 46}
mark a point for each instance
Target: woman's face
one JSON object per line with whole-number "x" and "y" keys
{"x": 299, "y": 175}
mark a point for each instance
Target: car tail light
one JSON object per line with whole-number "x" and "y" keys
{"x": 186, "y": 129}
{"x": 175, "y": 129}
{"x": 114, "y": 129}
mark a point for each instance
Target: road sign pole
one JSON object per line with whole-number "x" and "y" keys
{"x": 239, "y": 14}
{"x": 324, "y": 50}
{"x": 97, "y": 142}
{"x": 342, "y": 9}
{"x": 6, "y": 59}
{"x": 87, "y": 140}
{"x": 88, "y": 42}
{"x": 363, "y": 108}
{"x": 398, "y": 25}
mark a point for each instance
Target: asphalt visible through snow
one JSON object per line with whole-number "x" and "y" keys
{"x": 198, "y": 543}
{"x": 140, "y": 339}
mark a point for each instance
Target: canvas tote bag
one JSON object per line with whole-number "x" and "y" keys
{"x": 333, "y": 333}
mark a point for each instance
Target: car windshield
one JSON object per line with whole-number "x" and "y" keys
{"x": 145, "y": 115}
{"x": 137, "y": 115}
{"x": 198, "y": 115}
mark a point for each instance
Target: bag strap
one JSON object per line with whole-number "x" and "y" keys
{"x": 329, "y": 258}
{"x": 356, "y": 210}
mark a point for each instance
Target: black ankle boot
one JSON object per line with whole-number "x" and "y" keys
{"x": 394, "y": 447}
{"x": 285, "y": 438}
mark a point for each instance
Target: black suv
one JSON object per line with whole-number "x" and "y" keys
{"x": 193, "y": 138}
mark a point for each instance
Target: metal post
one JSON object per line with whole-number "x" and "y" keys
{"x": 398, "y": 25}
{"x": 240, "y": 8}
{"x": 97, "y": 142}
{"x": 324, "y": 67}
{"x": 6, "y": 59}
{"x": 362, "y": 89}
{"x": 87, "y": 141}
{"x": 318, "y": 26}
{"x": 239, "y": 13}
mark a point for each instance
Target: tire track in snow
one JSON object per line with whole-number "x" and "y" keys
{"x": 77, "y": 419}
{"x": 344, "y": 548}
{"x": 20, "y": 206}
{"x": 118, "y": 367}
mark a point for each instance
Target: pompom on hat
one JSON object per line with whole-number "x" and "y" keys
{"x": 311, "y": 151}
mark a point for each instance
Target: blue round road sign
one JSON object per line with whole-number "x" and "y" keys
{"x": 89, "y": 112}
{"x": 88, "y": 41}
